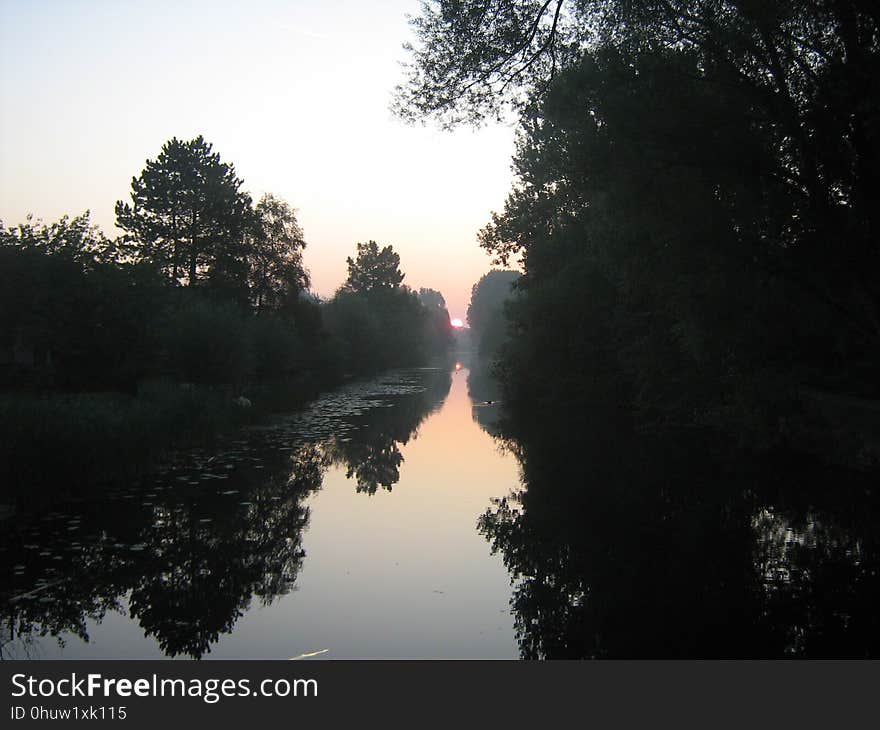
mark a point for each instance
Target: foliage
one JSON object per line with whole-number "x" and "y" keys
{"x": 276, "y": 349}
{"x": 188, "y": 217}
{"x": 205, "y": 342}
{"x": 277, "y": 274}
{"x": 355, "y": 330}
{"x": 72, "y": 238}
{"x": 692, "y": 205}
{"x": 373, "y": 269}
{"x": 381, "y": 330}
{"x": 80, "y": 317}
{"x": 473, "y": 56}
{"x": 485, "y": 313}
{"x": 431, "y": 298}
{"x": 377, "y": 323}
{"x": 439, "y": 328}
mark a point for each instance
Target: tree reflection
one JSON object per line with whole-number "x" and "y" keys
{"x": 485, "y": 395}
{"x": 816, "y": 554}
{"x": 202, "y": 571}
{"x": 624, "y": 545}
{"x": 372, "y": 455}
{"x": 189, "y": 566}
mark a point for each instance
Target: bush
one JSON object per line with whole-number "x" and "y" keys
{"x": 205, "y": 343}
{"x": 276, "y": 350}
{"x": 66, "y": 445}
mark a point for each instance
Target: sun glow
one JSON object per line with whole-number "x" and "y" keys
{"x": 457, "y": 323}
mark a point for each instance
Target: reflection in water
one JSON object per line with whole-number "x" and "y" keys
{"x": 372, "y": 453}
{"x": 201, "y": 572}
{"x": 187, "y": 561}
{"x": 615, "y": 544}
{"x": 485, "y": 395}
{"x": 188, "y": 552}
{"x": 625, "y": 546}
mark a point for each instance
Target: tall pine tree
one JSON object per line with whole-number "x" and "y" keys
{"x": 188, "y": 216}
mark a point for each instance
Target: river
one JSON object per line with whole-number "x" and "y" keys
{"x": 385, "y": 520}
{"x": 346, "y": 530}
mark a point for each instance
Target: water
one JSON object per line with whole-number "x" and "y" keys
{"x": 347, "y": 530}
{"x": 626, "y": 543}
{"x": 402, "y": 517}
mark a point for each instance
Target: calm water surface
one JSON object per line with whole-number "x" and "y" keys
{"x": 385, "y": 521}
{"x": 348, "y": 529}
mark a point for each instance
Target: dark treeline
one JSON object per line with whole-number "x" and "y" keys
{"x": 695, "y": 211}
{"x": 486, "y": 310}
{"x": 377, "y": 323}
{"x": 144, "y": 342}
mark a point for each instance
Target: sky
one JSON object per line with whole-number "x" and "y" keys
{"x": 294, "y": 94}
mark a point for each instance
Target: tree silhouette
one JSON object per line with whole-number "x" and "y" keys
{"x": 86, "y": 316}
{"x": 373, "y": 269}
{"x": 188, "y": 216}
{"x": 485, "y": 312}
{"x": 473, "y": 56}
{"x": 439, "y": 335}
{"x": 691, "y": 208}
{"x": 431, "y": 298}
{"x": 275, "y": 246}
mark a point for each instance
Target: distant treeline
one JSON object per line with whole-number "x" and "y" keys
{"x": 204, "y": 299}
{"x": 696, "y": 204}
{"x": 486, "y": 311}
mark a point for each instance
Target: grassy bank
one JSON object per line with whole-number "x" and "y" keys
{"x": 65, "y": 446}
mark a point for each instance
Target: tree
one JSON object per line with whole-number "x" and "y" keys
{"x": 275, "y": 246}
{"x": 485, "y": 313}
{"x": 206, "y": 342}
{"x": 692, "y": 204}
{"x": 373, "y": 269}
{"x": 73, "y": 238}
{"x": 83, "y": 316}
{"x": 439, "y": 326}
{"x": 431, "y": 298}
{"x": 474, "y": 56}
{"x": 377, "y": 323}
{"x": 188, "y": 216}
{"x": 803, "y": 70}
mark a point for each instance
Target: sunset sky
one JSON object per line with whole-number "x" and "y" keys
{"x": 295, "y": 94}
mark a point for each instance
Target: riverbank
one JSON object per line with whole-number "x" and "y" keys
{"x": 67, "y": 446}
